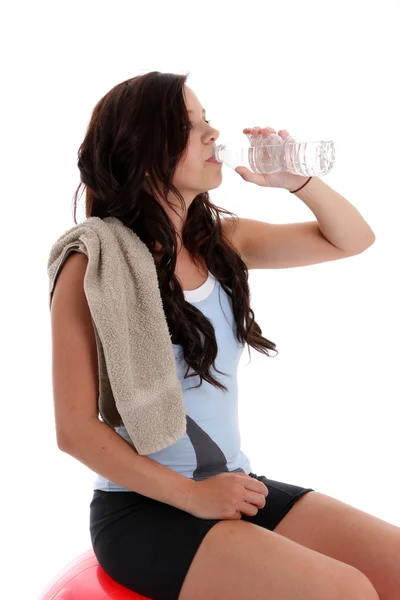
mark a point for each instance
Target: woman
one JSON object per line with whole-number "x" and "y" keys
{"x": 192, "y": 520}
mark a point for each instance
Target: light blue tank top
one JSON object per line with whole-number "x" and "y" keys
{"x": 212, "y": 443}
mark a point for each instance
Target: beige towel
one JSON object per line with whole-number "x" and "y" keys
{"x": 138, "y": 384}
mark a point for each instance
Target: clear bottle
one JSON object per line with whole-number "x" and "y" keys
{"x": 272, "y": 154}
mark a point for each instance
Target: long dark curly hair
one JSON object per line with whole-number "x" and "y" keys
{"x": 141, "y": 126}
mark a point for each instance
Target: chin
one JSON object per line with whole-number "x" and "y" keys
{"x": 218, "y": 181}
{"x": 215, "y": 186}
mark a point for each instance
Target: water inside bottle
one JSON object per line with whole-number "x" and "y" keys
{"x": 272, "y": 154}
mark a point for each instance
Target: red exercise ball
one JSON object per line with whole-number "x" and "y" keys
{"x": 84, "y": 579}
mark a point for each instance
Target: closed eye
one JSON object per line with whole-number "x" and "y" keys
{"x": 190, "y": 125}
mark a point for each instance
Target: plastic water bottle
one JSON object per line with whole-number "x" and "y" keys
{"x": 272, "y": 154}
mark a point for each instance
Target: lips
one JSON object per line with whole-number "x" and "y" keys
{"x": 212, "y": 155}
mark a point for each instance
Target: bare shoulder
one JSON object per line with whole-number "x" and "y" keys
{"x": 76, "y": 262}
{"x": 69, "y": 306}
{"x": 70, "y": 277}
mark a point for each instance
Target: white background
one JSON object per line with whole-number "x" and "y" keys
{"x": 324, "y": 412}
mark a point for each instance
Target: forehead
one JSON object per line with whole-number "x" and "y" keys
{"x": 193, "y": 111}
{"x": 192, "y": 102}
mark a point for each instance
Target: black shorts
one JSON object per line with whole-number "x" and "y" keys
{"x": 148, "y": 546}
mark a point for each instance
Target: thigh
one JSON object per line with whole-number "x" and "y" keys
{"x": 145, "y": 545}
{"x": 238, "y": 560}
{"x": 163, "y": 553}
{"x": 281, "y": 498}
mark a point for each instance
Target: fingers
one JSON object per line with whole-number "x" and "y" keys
{"x": 283, "y": 133}
{"x": 257, "y": 130}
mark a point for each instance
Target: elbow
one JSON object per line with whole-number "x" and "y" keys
{"x": 371, "y": 239}
{"x": 370, "y": 242}
{"x": 78, "y": 432}
{"x": 63, "y": 444}
{"x": 65, "y": 440}
{"x": 367, "y": 244}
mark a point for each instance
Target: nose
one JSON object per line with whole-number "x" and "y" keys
{"x": 215, "y": 135}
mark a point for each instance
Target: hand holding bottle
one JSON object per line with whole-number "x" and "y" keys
{"x": 282, "y": 179}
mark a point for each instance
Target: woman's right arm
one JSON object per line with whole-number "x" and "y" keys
{"x": 80, "y": 432}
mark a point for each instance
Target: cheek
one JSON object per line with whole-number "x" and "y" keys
{"x": 191, "y": 165}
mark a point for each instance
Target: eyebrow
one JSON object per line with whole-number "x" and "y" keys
{"x": 204, "y": 111}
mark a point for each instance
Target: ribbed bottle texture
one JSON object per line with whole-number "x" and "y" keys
{"x": 272, "y": 154}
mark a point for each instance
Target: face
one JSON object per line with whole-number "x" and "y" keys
{"x": 194, "y": 175}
